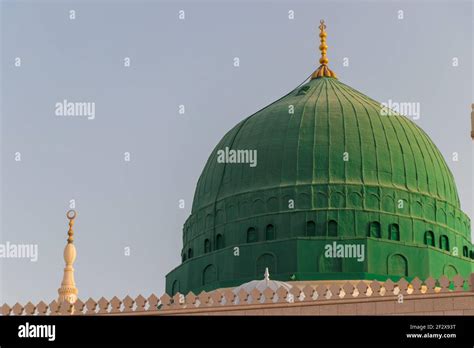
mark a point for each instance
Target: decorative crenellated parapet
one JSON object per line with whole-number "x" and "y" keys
{"x": 226, "y": 299}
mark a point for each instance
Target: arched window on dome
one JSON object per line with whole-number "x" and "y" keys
{"x": 270, "y": 232}
{"x": 303, "y": 90}
{"x": 310, "y": 229}
{"x": 450, "y": 271}
{"x": 219, "y": 241}
{"x": 398, "y": 265}
{"x": 252, "y": 236}
{"x": 429, "y": 238}
{"x": 207, "y": 246}
{"x": 183, "y": 257}
{"x": 374, "y": 229}
{"x": 472, "y": 254}
{"x": 209, "y": 275}
{"x": 444, "y": 242}
{"x": 465, "y": 251}
{"x": 175, "y": 287}
{"x": 190, "y": 253}
{"x": 332, "y": 228}
{"x": 393, "y": 232}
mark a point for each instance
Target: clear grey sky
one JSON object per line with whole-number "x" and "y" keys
{"x": 190, "y": 62}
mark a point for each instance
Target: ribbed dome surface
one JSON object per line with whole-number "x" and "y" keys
{"x": 302, "y": 139}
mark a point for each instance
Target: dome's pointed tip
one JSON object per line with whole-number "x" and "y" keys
{"x": 266, "y": 274}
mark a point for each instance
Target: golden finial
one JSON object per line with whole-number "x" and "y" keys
{"x": 68, "y": 291}
{"x": 323, "y": 69}
{"x": 71, "y": 215}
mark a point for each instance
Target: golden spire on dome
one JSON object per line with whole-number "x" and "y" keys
{"x": 68, "y": 291}
{"x": 323, "y": 69}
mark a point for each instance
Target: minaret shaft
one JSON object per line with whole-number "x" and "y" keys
{"x": 68, "y": 291}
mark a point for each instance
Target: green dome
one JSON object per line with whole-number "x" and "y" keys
{"x": 330, "y": 171}
{"x": 307, "y": 147}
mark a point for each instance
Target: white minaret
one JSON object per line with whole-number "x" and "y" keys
{"x": 68, "y": 291}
